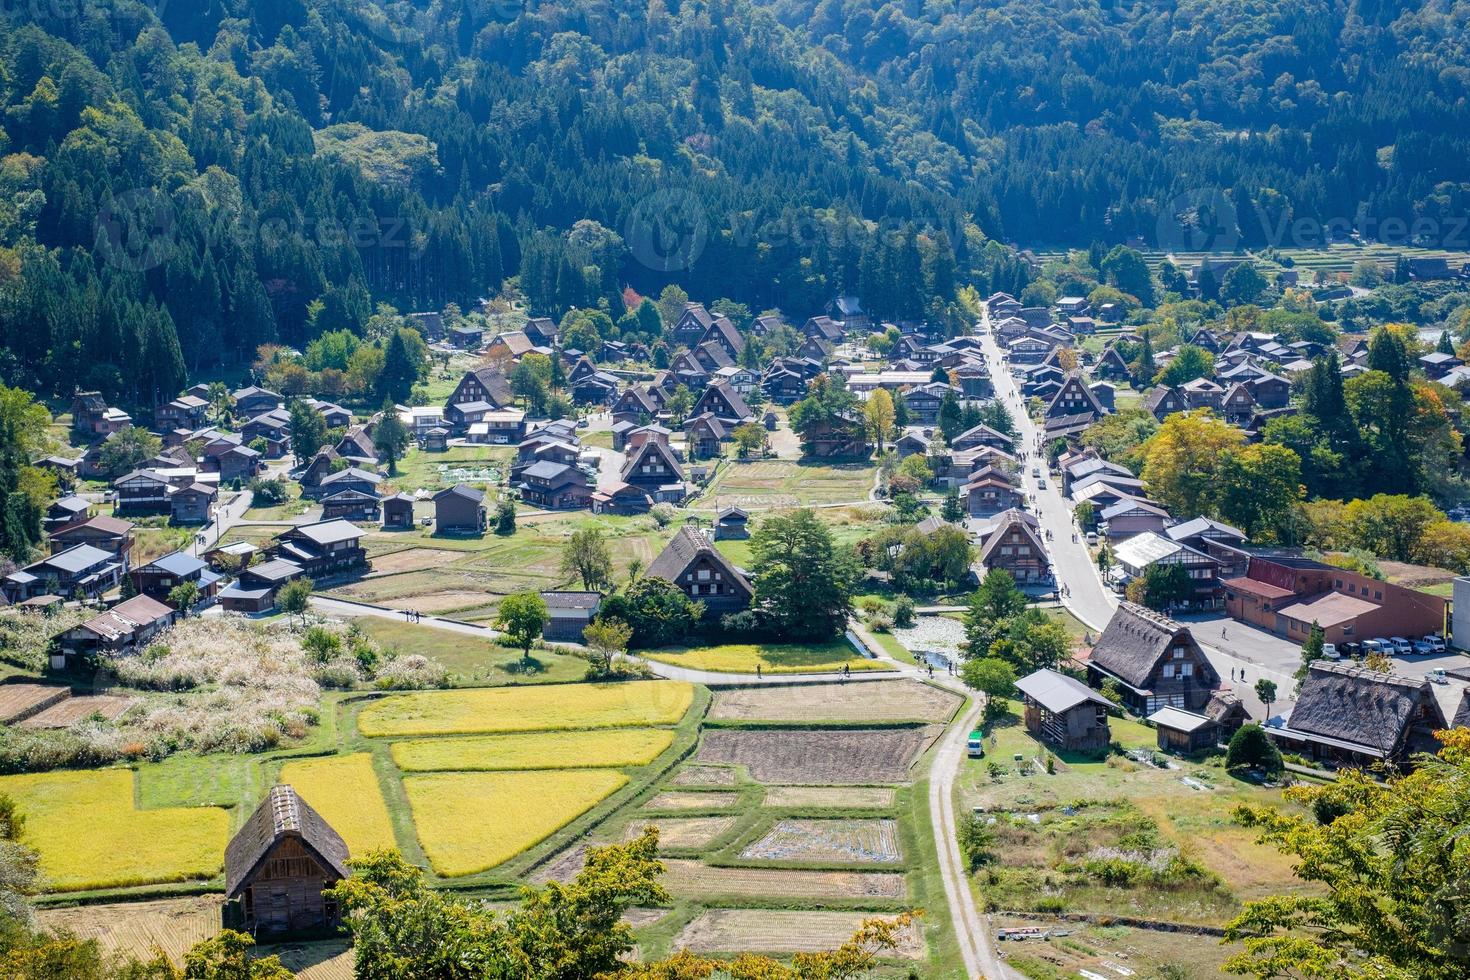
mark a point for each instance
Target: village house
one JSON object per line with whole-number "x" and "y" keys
{"x": 725, "y": 403}
{"x": 64, "y": 511}
{"x": 732, "y": 524}
{"x": 81, "y": 570}
{"x": 691, "y": 325}
{"x": 923, "y": 401}
{"x": 236, "y": 464}
{"x": 1346, "y": 714}
{"x": 272, "y": 428}
{"x": 1065, "y": 713}
{"x": 836, "y": 438}
{"x": 704, "y": 434}
{"x": 651, "y": 467}
{"x": 989, "y": 495}
{"x": 124, "y": 628}
{"x": 278, "y": 866}
{"x": 254, "y": 590}
{"x": 705, "y": 575}
{"x": 722, "y": 331}
{"x": 568, "y": 614}
{"x": 510, "y": 346}
{"x": 460, "y": 510}
{"x": 1154, "y": 661}
{"x": 1185, "y": 732}
{"x": 93, "y": 418}
{"x": 1111, "y": 366}
{"x": 184, "y": 412}
{"x": 1134, "y": 557}
{"x": 484, "y": 386}
{"x": 351, "y": 505}
{"x": 322, "y": 549}
{"x": 554, "y": 485}
{"x": 503, "y": 427}
{"x": 251, "y": 401}
{"x": 340, "y": 481}
{"x": 162, "y": 575}
{"x": 1132, "y": 516}
{"x": 1163, "y": 401}
{"x": 823, "y": 328}
{"x": 397, "y": 512}
{"x": 193, "y": 504}
{"x": 848, "y": 311}
{"x": 111, "y": 534}
{"x": 1012, "y": 542}
{"x": 466, "y": 336}
{"x": 981, "y": 435}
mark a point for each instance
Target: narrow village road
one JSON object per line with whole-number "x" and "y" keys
{"x": 1086, "y": 597}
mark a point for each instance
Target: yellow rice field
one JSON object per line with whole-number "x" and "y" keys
{"x": 345, "y": 791}
{"x": 89, "y": 835}
{"x": 472, "y": 821}
{"x": 541, "y": 750}
{"x": 552, "y": 707}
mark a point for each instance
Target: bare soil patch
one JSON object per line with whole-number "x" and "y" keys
{"x": 854, "y": 797}
{"x": 19, "y": 701}
{"x": 815, "y": 756}
{"x": 682, "y": 832}
{"x": 704, "y": 776}
{"x": 829, "y": 842}
{"x": 413, "y": 560}
{"x": 697, "y": 880}
{"x": 860, "y": 701}
{"x": 66, "y": 713}
{"x": 776, "y": 931}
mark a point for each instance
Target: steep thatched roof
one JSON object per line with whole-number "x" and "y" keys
{"x": 687, "y": 545}
{"x": 280, "y": 815}
{"x": 1348, "y": 703}
{"x": 1135, "y": 640}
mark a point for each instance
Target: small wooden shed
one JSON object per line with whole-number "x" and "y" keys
{"x": 1184, "y": 731}
{"x": 398, "y": 512}
{"x": 1064, "y": 712}
{"x": 277, "y": 866}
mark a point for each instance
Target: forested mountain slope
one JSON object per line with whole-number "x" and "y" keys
{"x": 183, "y": 181}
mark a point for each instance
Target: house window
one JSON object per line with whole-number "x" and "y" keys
{"x": 1186, "y": 670}
{"x": 1168, "y": 671}
{"x": 1378, "y": 594}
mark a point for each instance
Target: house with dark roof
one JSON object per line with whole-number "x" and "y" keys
{"x": 1012, "y": 542}
{"x": 184, "y": 412}
{"x": 651, "y": 467}
{"x": 254, "y": 590}
{"x": 989, "y": 494}
{"x": 981, "y": 435}
{"x": 1163, "y": 401}
{"x": 703, "y": 434}
{"x": 112, "y": 534}
{"x": 691, "y": 325}
{"x": 80, "y": 570}
{"x": 162, "y": 575}
{"x": 701, "y": 572}
{"x": 1065, "y": 713}
{"x": 1154, "y": 661}
{"x": 732, "y": 524}
{"x": 278, "y": 866}
{"x": 485, "y": 385}
{"x": 1349, "y": 715}
{"x": 725, "y": 403}
{"x": 722, "y": 331}
{"x": 66, "y": 510}
{"x": 353, "y": 479}
{"x": 554, "y": 485}
{"x": 398, "y": 512}
{"x": 636, "y": 404}
{"x": 568, "y": 614}
{"x": 322, "y": 549}
{"x": 1111, "y": 365}
{"x": 251, "y": 401}
{"x": 459, "y": 509}
{"x": 124, "y": 628}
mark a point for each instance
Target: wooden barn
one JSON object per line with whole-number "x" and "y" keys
{"x": 1064, "y": 712}
{"x": 277, "y": 866}
{"x": 1184, "y": 731}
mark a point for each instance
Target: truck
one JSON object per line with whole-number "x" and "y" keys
{"x": 975, "y": 746}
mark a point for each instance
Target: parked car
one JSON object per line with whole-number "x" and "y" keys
{"x": 1351, "y": 649}
{"x": 1092, "y": 538}
{"x": 1371, "y": 647}
{"x": 1436, "y": 642}
{"x": 1401, "y": 646}
{"x": 1423, "y": 647}
{"x": 1329, "y": 650}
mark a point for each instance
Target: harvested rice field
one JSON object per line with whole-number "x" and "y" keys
{"x": 693, "y": 879}
{"x": 527, "y": 709}
{"x": 19, "y": 701}
{"x": 412, "y": 560}
{"x": 865, "y": 701}
{"x": 817, "y": 757}
{"x": 138, "y": 928}
{"x": 88, "y": 833}
{"x": 542, "y": 750}
{"x": 64, "y": 714}
{"x": 828, "y": 842}
{"x": 777, "y": 931}
{"x": 676, "y": 833}
{"x": 848, "y": 797}
{"x": 769, "y": 658}
{"x": 675, "y": 800}
{"x": 345, "y": 791}
{"x": 470, "y": 822}
{"x": 704, "y": 776}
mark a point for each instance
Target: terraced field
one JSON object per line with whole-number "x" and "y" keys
{"x": 828, "y": 842}
{"x": 777, "y": 931}
{"x": 820, "y": 757}
{"x": 866, "y": 701}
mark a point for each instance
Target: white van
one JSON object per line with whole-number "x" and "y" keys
{"x": 1329, "y": 650}
{"x": 1401, "y": 646}
{"x": 1376, "y": 646}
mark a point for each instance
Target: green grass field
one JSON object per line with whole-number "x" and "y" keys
{"x": 743, "y": 658}
{"x": 471, "y": 661}
{"x": 481, "y": 466}
{"x": 562, "y": 707}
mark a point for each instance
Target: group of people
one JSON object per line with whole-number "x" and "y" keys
{"x": 411, "y": 615}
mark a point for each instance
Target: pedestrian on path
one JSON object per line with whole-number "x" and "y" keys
{"x": 757, "y": 671}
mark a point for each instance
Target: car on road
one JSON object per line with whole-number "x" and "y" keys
{"x": 975, "y": 744}
{"x": 1438, "y": 676}
{"x": 1041, "y": 483}
{"x": 1036, "y": 471}
{"x": 1401, "y": 646}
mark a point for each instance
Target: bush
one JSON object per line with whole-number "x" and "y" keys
{"x": 976, "y": 840}
{"x": 1250, "y": 748}
{"x": 269, "y": 493}
{"x": 903, "y": 612}
{"x": 663, "y": 514}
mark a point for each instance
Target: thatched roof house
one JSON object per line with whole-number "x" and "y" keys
{"x": 1155, "y": 661}
{"x": 1349, "y": 714}
{"x": 278, "y": 864}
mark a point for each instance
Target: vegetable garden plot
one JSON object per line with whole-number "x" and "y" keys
{"x": 829, "y": 842}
